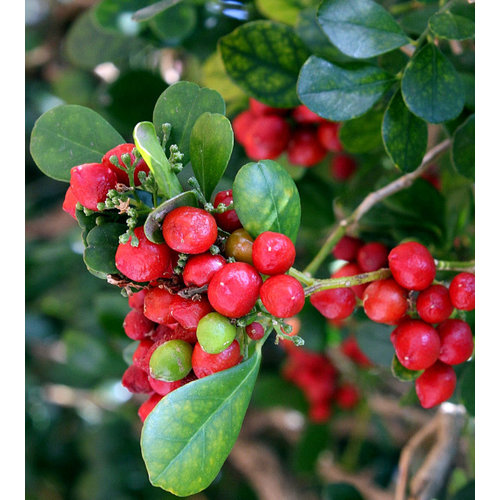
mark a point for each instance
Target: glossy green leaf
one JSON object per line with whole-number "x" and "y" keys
{"x": 451, "y": 26}
{"x": 466, "y": 388}
{"x": 181, "y": 105}
{"x": 70, "y": 135}
{"x": 432, "y": 89}
{"x": 374, "y": 340}
{"x": 174, "y": 24}
{"x": 341, "y": 93}
{"x": 153, "y": 224}
{"x": 211, "y": 145}
{"x": 264, "y": 58}
{"x": 149, "y": 147}
{"x": 266, "y": 199}
{"x": 102, "y": 242}
{"x": 189, "y": 434}
{"x": 150, "y": 11}
{"x": 404, "y": 135}
{"x": 402, "y": 373}
{"x": 362, "y": 134}
{"x": 360, "y": 28}
{"x": 341, "y": 491}
{"x": 463, "y": 151}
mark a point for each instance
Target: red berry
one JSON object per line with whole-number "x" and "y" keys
{"x": 136, "y": 300}
{"x": 304, "y": 148}
{"x": 416, "y": 344}
{"x": 255, "y": 330}
{"x": 259, "y": 108}
{"x": 234, "y": 289}
{"x": 137, "y": 326}
{"x": 241, "y": 126}
{"x": 91, "y": 182}
{"x": 412, "y": 265}
{"x": 351, "y": 269}
{"x": 136, "y": 380}
{"x": 457, "y": 342}
{"x": 282, "y": 295}
{"x": 320, "y": 412}
{"x": 328, "y": 135}
{"x": 372, "y": 256}
{"x": 157, "y": 303}
{"x": 145, "y": 262}
{"x": 336, "y": 303}
{"x": 267, "y": 137}
{"x": 351, "y": 349}
{"x": 342, "y": 167}
{"x": 69, "y": 203}
{"x": 189, "y": 230}
{"x": 228, "y": 220}
{"x": 385, "y": 301}
{"x": 436, "y": 384}
{"x": 347, "y": 396}
{"x": 148, "y": 406}
{"x": 302, "y": 114}
{"x": 273, "y": 253}
{"x": 142, "y": 354}
{"x": 163, "y": 388}
{"x": 199, "y": 269}
{"x": 347, "y": 248}
{"x": 188, "y": 312}
{"x": 173, "y": 331}
{"x": 463, "y": 291}
{"x": 434, "y": 304}
{"x": 205, "y": 364}
{"x": 122, "y": 175}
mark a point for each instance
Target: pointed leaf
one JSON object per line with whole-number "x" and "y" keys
{"x": 211, "y": 145}
{"x": 360, "y": 28}
{"x": 463, "y": 150}
{"x": 151, "y": 151}
{"x": 153, "y": 224}
{"x": 432, "y": 88}
{"x": 189, "y": 434}
{"x": 181, "y": 105}
{"x": 266, "y": 199}
{"x": 451, "y": 26}
{"x": 264, "y": 58}
{"x": 70, "y": 135}
{"x": 341, "y": 93}
{"x": 404, "y": 134}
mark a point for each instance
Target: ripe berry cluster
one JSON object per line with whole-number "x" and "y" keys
{"x": 319, "y": 379}
{"x": 426, "y": 338}
{"x": 305, "y": 137}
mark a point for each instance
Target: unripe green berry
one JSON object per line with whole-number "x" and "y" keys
{"x": 171, "y": 361}
{"x": 215, "y": 333}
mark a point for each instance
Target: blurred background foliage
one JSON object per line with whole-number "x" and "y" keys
{"x": 82, "y": 429}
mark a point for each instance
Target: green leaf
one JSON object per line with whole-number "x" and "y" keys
{"x": 102, "y": 242}
{"x": 266, "y": 199}
{"x": 362, "y": 134}
{"x": 151, "y": 151}
{"x": 285, "y": 11}
{"x": 415, "y": 22}
{"x": 360, "y": 28}
{"x": 211, "y": 145}
{"x": 463, "y": 150}
{"x": 189, "y": 434}
{"x": 153, "y": 224}
{"x": 451, "y": 26}
{"x": 466, "y": 388}
{"x": 70, "y": 135}
{"x": 116, "y": 15}
{"x": 374, "y": 340}
{"x": 341, "y": 491}
{"x": 402, "y": 373}
{"x": 341, "y": 93}
{"x": 432, "y": 89}
{"x": 264, "y": 58}
{"x": 173, "y": 25}
{"x": 404, "y": 135}
{"x": 181, "y": 105}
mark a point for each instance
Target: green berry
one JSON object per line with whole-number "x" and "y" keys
{"x": 215, "y": 333}
{"x": 171, "y": 361}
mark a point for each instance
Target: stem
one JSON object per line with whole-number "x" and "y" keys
{"x": 372, "y": 199}
{"x": 300, "y": 276}
{"x": 347, "y": 282}
{"x": 450, "y": 265}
